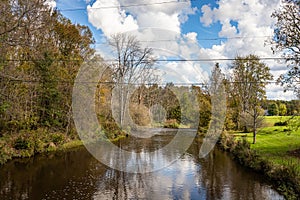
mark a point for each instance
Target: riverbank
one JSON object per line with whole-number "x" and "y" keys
{"x": 27, "y": 143}
{"x": 32, "y": 142}
{"x": 275, "y": 155}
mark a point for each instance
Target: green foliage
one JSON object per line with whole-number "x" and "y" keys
{"x": 282, "y": 110}
{"x": 174, "y": 113}
{"x": 6, "y": 152}
{"x": 57, "y": 138}
{"x": 22, "y": 143}
{"x": 273, "y": 109}
{"x": 42, "y": 95}
{"x": 270, "y": 155}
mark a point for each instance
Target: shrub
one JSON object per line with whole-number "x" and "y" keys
{"x": 285, "y": 123}
{"x": 22, "y": 144}
{"x": 57, "y": 138}
{"x": 171, "y": 123}
{"x": 139, "y": 114}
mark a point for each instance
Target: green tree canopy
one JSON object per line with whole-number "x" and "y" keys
{"x": 273, "y": 109}
{"x": 250, "y": 77}
{"x": 282, "y": 110}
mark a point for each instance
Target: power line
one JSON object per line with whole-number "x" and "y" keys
{"x": 137, "y": 84}
{"x": 198, "y": 39}
{"x": 124, "y": 6}
{"x": 157, "y": 60}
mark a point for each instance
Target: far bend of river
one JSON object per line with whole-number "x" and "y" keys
{"x": 78, "y": 175}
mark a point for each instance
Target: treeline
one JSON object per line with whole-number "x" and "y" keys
{"x": 155, "y": 106}
{"x": 281, "y": 107}
{"x": 40, "y": 54}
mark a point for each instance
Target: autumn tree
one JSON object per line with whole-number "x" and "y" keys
{"x": 41, "y": 52}
{"x": 287, "y": 41}
{"x": 249, "y": 79}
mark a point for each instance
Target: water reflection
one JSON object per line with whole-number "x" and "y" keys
{"x": 77, "y": 175}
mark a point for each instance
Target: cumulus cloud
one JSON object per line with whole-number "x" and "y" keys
{"x": 247, "y": 25}
{"x": 249, "y": 21}
{"x": 157, "y": 25}
{"x": 51, "y": 3}
{"x": 121, "y": 17}
{"x": 192, "y": 36}
{"x": 110, "y": 18}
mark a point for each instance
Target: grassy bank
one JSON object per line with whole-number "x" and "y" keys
{"x": 28, "y": 143}
{"x": 276, "y": 154}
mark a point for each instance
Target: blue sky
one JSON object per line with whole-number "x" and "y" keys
{"x": 207, "y": 29}
{"x": 193, "y": 24}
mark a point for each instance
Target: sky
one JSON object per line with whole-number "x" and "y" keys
{"x": 181, "y": 29}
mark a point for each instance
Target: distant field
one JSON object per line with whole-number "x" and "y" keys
{"x": 271, "y": 120}
{"x": 276, "y": 143}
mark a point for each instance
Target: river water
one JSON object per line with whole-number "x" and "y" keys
{"x": 77, "y": 174}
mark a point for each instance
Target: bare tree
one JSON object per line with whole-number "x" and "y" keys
{"x": 133, "y": 66}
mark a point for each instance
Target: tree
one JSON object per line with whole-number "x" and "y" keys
{"x": 250, "y": 77}
{"x": 41, "y": 52}
{"x": 287, "y": 41}
{"x": 134, "y": 66}
{"x": 282, "y": 109}
{"x": 273, "y": 109}
{"x": 218, "y": 101}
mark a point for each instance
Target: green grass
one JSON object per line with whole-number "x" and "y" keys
{"x": 271, "y": 154}
{"x": 271, "y": 120}
{"x": 72, "y": 144}
{"x": 274, "y": 143}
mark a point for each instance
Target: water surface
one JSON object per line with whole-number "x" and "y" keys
{"x": 78, "y": 175}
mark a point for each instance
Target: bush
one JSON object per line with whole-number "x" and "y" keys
{"x": 22, "y": 144}
{"x": 285, "y": 123}
{"x": 139, "y": 114}
{"x": 171, "y": 123}
{"x": 5, "y": 153}
{"x": 57, "y": 138}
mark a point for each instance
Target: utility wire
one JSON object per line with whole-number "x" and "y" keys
{"x": 198, "y": 39}
{"x": 218, "y": 38}
{"x": 116, "y": 83}
{"x": 157, "y": 60}
{"x": 124, "y": 6}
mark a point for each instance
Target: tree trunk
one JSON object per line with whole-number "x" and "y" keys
{"x": 254, "y": 136}
{"x": 254, "y": 125}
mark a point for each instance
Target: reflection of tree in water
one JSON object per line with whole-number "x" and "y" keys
{"x": 122, "y": 185}
{"x": 228, "y": 180}
{"x": 51, "y": 176}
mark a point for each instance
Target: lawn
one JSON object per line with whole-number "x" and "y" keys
{"x": 275, "y": 143}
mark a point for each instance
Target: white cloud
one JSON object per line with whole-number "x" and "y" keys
{"x": 167, "y": 16}
{"x": 243, "y": 22}
{"x": 252, "y": 21}
{"x": 276, "y": 92}
{"x": 51, "y": 3}
{"x": 154, "y": 22}
{"x": 191, "y": 36}
{"x": 110, "y": 20}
